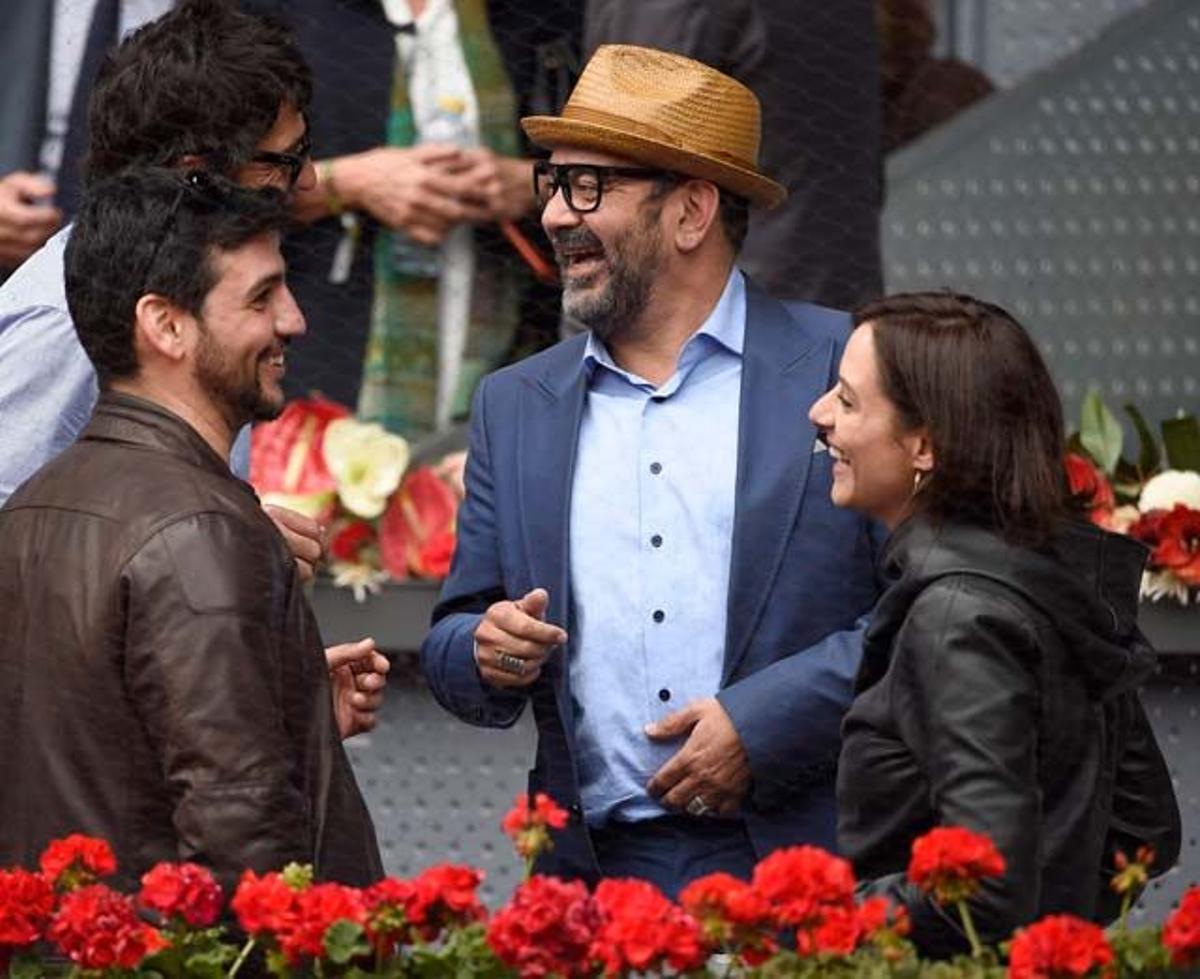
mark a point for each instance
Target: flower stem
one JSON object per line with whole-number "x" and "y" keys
{"x": 241, "y": 959}
{"x": 528, "y": 867}
{"x": 1126, "y": 901}
{"x": 969, "y": 927}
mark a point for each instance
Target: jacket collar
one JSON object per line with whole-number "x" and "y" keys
{"x": 135, "y": 421}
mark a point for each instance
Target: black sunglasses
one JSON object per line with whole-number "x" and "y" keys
{"x": 192, "y": 182}
{"x": 582, "y": 184}
{"x": 293, "y": 162}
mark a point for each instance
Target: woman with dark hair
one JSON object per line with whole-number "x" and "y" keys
{"x": 998, "y": 685}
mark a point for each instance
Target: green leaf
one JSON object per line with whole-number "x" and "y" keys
{"x": 25, "y": 967}
{"x": 1181, "y": 437}
{"x": 1149, "y": 456}
{"x": 345, "y": 940}
{"x": 1100, "y": 432}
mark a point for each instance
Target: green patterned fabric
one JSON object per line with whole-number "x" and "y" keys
{"x": 399, "y": 387}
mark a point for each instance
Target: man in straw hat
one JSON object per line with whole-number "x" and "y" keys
{"x": 647, "y": 550}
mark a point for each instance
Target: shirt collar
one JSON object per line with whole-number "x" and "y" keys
{"x": 725, "y": 325}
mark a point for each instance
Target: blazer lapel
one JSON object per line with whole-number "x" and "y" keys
{"x": 547, "y": 435}
{"x": 784, "y": 370}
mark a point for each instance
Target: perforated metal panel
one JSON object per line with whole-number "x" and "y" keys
{"x": 1073, "y": 201}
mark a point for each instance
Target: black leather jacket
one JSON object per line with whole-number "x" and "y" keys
{"x": 998, "y": 692}
{"x": 162, "y": 679}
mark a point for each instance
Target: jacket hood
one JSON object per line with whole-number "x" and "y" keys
{"x": 1085, "y": 582}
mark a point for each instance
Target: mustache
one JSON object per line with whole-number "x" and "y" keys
{"x": 563, "y": 238}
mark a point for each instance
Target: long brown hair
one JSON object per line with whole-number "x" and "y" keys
{"x": 968, "y": 372}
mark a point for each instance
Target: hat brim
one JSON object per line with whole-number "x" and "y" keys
{"x": 550, "y": 132}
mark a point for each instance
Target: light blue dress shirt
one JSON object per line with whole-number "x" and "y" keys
{"x": 47, "y": 384}
{"x": 651, "y": 529}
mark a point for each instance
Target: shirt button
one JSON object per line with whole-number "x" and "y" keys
{"x": 659, "y": 615}
{"x": 656, "y": 540}
{"x": 656, "y": 468}
{"x": 664, "y": 695}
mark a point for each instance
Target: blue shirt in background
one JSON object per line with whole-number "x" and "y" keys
{"x": 651, "y": 529}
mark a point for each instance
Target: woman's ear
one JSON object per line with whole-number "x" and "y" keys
{"x": 922, "y": 452}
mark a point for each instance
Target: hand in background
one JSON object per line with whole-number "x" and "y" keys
{"x": 357, "y": 676}
{"x": 306, "y": 538}
{"x": 504, "y": 183}
{"x": 423, "y": 190}
{"x": 25, "y": 224}
{"x": 711, "y": 763}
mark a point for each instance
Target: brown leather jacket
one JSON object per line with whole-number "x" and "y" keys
{"x": 162, "y": 679}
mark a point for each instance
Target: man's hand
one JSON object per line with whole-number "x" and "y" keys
{"x": 711, "y": 763}
{"x": 504, "y": 183}
{"x": 421, "y": 190}
{"x": 512, "y": 642}
{"x": 357, "y": 674}
{"x": 25, "y": 223}
{"x": 306, "y": 538}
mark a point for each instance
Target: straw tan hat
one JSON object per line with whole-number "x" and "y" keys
{"x": 664, "y": 110}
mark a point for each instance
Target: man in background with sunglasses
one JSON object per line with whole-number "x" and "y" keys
{"x": 204, "y": 86}
{"x": 164, "y": 682}
{"x": 647, "y": 551}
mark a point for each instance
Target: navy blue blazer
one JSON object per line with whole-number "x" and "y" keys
{"x": 802, "y": 576}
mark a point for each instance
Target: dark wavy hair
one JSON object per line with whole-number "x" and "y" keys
{"x": 153, "y": 230}
{"x": 205, "y": 79}
{"x": 970, "y": 373}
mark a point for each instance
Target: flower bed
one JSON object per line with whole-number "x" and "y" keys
{"x": 797, "y": 916}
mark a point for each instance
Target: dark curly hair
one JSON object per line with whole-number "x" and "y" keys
{"x": 205, "y": 79}
{"x": 150, "y": 229}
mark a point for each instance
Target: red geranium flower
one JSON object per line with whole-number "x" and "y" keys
{"x": 76, "y": 860}
{"x": 546, "y": 929}
{"x": 843, "y": 930}
{"x": 317, "y": 908}
{"x": 97, "y": 928}
{"x": 1089, "y": 484}
{"x": 802, "y": 883}
{"x": 950, "y": 861}
{"x": 1181, "y": 934}
{"x": 1059, "y": 947}
{"x": 641, "y": 930}
{"x": 406, "y": 910}
{"x": 732, "y": 915}
{"x": 182, "y": 890}
{"x": 530, "y": 828}
{"x": 26, "y": 903}
{"x": 264, "y": 905}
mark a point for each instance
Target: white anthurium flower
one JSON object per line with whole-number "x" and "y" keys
{"x": 359, "y": 578}
{"x": 310, "y": 504}
{"x": 367, "y": 461}
{"x": 1169, "y": 488}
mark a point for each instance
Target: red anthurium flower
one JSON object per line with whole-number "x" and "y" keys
{"x": 546, "y": 929}
{"x": 182, "y": 890}
{"x": 1089, "y": 483}
{"x": 26, "y": 903}
{"x": 1059, "y": 947}
{"x": 1181, "y": 933}
{"x": 950, "y": 861}
{"x": 1179, "y": 547}
{"x": 97, "y": 928}
{"x": 642, "y": 931}
{"x": 76, "y": 860}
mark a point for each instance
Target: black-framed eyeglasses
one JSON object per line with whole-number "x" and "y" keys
{"x": 192, "y": 182}
{"x": 583, "y": 184}
{"x": 294, "y": 163}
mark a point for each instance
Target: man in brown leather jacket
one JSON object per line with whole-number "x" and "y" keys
{"x": 162, "y": 679}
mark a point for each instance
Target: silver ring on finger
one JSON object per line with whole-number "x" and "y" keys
{"x": 697, "y": 806}
{"x": 510, "y": 663}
